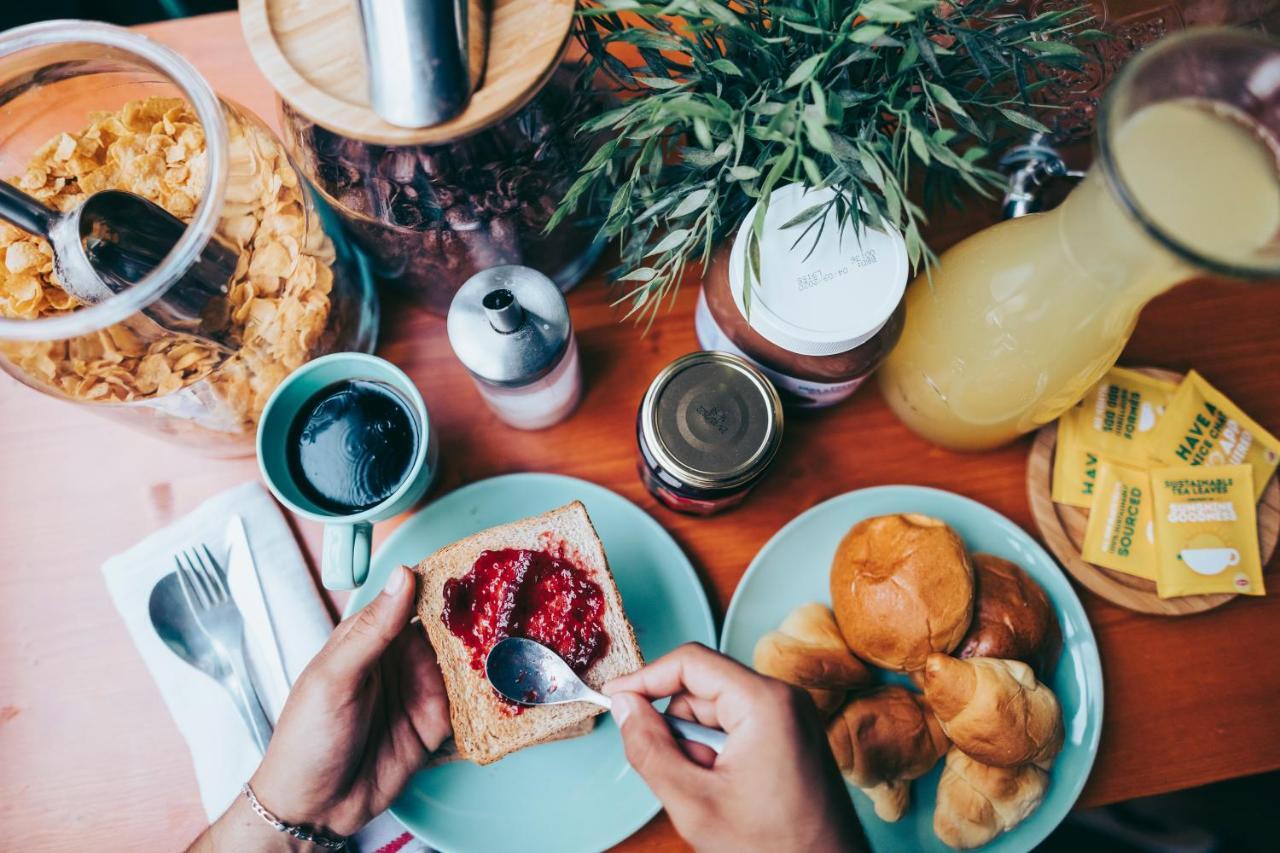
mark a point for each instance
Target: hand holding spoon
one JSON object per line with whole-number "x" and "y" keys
{"x": 528, "y": 673}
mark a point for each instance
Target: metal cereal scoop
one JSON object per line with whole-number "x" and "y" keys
{"x": 112, "y": 240}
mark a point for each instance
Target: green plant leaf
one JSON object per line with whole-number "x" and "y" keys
{"x": 659, "y": 82}
{"x": 867, "y": 33}
{"x": 669, "y": 242}
{"x": 639, "y": 274}
{"x": 819, "y": 138}
{"x": 878, "y": 10}
{"x": 804, "y": 71}
{"x": 895, "y": 102}
{"x": 693, "y": 201}
{"x": 1022, "y": 120}
{"x": 726, "y": 66}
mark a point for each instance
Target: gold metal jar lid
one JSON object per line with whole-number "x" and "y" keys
{"x": 312, "y": 53}
{"x": 712, "y": 420}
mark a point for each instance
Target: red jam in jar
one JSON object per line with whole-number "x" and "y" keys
{"x": 535, "y": 594}
{"x": 708, "y": 428}
{"x": 826, "y": 309}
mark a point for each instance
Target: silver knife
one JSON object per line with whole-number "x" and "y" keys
{"x": 246, "y": 586}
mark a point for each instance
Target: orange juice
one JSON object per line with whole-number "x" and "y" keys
{"x": 1021, "y": 319}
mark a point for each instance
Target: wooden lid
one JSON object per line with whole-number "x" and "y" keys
{"x": 313, "y": 54}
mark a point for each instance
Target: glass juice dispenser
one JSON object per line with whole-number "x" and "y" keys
{"x": 1016, "y": 322}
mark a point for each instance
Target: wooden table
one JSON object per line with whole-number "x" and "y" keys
{"x": 90, "y": 758}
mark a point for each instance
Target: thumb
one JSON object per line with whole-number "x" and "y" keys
{"x": 360, "y": 640}
{"x": 653, "y": 751}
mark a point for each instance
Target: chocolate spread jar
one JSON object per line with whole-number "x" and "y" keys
{"x": 708, "y": 429}
{"x": 822, "y": 316}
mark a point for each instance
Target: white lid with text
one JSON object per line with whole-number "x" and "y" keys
{"x": 824, "y": 298}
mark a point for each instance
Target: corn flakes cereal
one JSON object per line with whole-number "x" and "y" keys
{"x": 279, "y": 296}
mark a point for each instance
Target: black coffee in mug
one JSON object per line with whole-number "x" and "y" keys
{"x": 352, "y": 445}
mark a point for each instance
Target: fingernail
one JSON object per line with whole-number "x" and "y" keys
{"x": 395, "y": 582}
{"x": 623, "y": 705}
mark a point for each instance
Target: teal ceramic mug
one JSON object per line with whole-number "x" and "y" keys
{"x": 344, "y": 561}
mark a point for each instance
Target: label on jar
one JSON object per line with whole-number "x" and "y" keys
{"x": 801, "y": 393}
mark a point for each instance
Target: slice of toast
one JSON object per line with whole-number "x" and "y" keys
{"x": 448, "y": 751}
{"x": 484, "y": 726}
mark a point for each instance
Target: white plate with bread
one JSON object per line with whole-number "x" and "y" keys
{"x": 550, "y": 778}
{"x": 953, "y": 661}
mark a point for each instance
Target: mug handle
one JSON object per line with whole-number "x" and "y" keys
{"x": 344, "y": 559}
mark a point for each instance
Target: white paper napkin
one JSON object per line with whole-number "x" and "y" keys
{"x": 222, "y": 749}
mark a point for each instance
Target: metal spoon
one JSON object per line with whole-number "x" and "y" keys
{"x": 113, "y": 239}
{"x": 176, "y": 625}
{"x": 529, "y": 673}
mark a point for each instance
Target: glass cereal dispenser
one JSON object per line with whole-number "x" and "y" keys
{"x": 443, "y": 198}
{"x": 88, "y": 107}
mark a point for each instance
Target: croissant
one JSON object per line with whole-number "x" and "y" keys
{"x": 881, "y": 741}
{"x": 808, "y": 651}
{"x": 994, "y": 710}
{"x": 977, "y": 802}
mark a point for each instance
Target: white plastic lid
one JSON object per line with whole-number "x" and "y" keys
{"x": 818, "y": 299}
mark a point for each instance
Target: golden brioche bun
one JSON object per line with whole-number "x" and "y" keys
{"x": 901, "y": 589}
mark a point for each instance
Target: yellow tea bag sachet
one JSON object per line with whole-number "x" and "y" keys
{"x": 1118, "y": 414}
{"x": 1113, "y": 422}
{"x": 1075, "y": 467}
{"x": 1121, "y": 532}
{"x": 1202, "y": 427}
{"x": 1206, "y": 531}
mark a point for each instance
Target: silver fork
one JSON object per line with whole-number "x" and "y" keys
{"x": 205, "y": 586}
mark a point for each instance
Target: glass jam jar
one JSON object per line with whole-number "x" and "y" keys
{"x": 826, "y": 310}
{"x": 708, "y": 428}
{"x": 86, "y": 107}
{"x": 435, "y": 205}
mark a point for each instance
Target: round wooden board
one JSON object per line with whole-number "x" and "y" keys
{"x": 312, "y": 51}
{"x": 1062, "y": 528}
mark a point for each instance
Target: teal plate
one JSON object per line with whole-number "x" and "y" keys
{"x": 792, "y": 569}
{"x": 577, "y": 795}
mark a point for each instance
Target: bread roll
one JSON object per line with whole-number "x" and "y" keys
{"x": 807, "y": 650}
{"x": 994, "y": 710}
{"x": 977, "y": 802}
{"x": 881, "y": 741}
{"x": 1012, "y": 617}
{"x": 901, "y": 588}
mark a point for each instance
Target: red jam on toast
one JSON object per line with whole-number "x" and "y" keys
{"x": 522, "y": 593}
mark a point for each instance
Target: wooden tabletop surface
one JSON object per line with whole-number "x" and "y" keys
{"x": 89, "y": 757}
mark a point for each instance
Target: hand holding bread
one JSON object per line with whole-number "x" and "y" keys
{"x": 486, "y": 727}
{"x": 374, "y": 699}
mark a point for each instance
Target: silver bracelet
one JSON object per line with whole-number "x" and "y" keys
{"x": 325, "y": 840}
